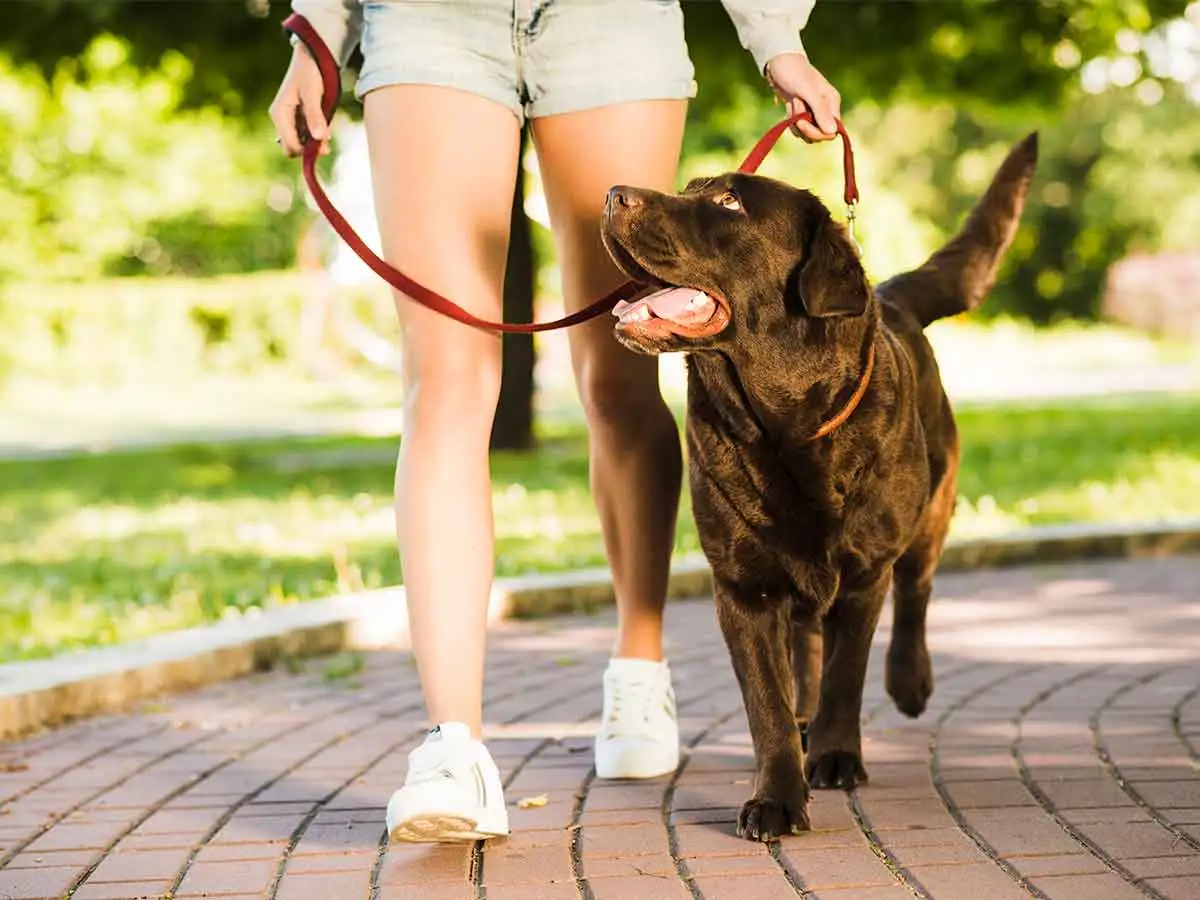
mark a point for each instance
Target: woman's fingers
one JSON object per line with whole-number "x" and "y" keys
{"x": 296, "y": 110}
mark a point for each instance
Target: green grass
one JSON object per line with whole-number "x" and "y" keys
{"x": 97, "y": 549}
{"x": 1122, "y": 459}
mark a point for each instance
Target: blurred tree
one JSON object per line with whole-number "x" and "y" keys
{"x": 991, "y": 51}
{"x": 235, "y": 46}
{"x": 103, "y": 170}
{"x": 1119, "y": 172}
{"x": 1119, "y": 175}
{"x": 512, "y": 428}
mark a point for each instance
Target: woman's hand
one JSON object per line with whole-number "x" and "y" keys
{"x": 299, "y": 99}
{"x": 798, "y": 84}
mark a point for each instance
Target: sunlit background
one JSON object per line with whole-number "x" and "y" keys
{"x": 199, "y": 405}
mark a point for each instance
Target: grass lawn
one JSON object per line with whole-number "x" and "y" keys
{"x": 97, "y": 549}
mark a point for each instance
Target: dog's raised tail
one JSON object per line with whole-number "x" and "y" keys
{"x": 957, "y": 277}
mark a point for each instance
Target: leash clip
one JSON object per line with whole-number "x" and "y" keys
{"x": 851, "y": 216}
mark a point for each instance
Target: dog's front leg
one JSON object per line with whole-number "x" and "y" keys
{"x": 835, "y": 736}
{"x": 758, "y": 633}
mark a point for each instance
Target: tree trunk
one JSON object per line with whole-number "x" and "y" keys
{"x": 513, "y": 428}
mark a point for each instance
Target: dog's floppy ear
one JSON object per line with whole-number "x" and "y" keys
{"x": 831, "y": 280}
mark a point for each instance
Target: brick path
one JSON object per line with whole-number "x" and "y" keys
{"x": 1060, "y": 758}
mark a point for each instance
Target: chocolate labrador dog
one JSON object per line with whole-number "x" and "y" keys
{"x": 822, "y": 447}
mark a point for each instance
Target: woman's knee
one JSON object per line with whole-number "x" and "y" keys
{"x": 619, "y": 393}
{"x": 458, "y": 386}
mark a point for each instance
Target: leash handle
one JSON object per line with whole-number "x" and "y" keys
{"x": 332, "y": 88}
{"x": 768, "y": 141}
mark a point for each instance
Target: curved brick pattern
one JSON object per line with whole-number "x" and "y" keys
{"x": 1058, "y": 759}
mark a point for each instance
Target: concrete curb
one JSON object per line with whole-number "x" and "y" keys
{"x": 586, "y": 590}
{"x": 43, "y": 693}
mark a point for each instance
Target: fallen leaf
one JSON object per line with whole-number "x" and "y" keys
{"x": 533, "y": 802}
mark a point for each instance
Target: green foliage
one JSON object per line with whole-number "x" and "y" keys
{"x": 135, "y": 140}
{"x": 1119, "y": 172}
{"x": 236, "y": 48}
{"x": 1116, "y": 174}
{"x": 991, "y": 51}
{"x": 166, "y": 330}
{"x": 200, "y": 242}
{"x": 94, "y": 550}
{"x": 102, "y": 170}
{"x": 974, "y": 53}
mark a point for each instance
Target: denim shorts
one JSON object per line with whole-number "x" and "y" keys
{"x": 535, "y": 57}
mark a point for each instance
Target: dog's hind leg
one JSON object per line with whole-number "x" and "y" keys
{"x": 758, "y": 634}
{"x": 909, "y": 672}
{"x": 807, "y": 656}
{"x": 835, "y": 736}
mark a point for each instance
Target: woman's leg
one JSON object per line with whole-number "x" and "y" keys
{"x": 635, "y": 456}
{"x": 636, "y": 465}
{"x": 443, "y": 210}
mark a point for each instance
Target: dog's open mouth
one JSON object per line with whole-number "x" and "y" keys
{"x": 683, "y": 311}
{"x": 685, "y": 307}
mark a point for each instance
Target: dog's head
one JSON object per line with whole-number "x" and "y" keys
{"x": 731, "y": 257}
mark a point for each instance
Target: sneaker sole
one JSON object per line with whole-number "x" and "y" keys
{"x": 642, "y": 771}
{"x": 435, "y": 828}
{"x": 634, "y": 774}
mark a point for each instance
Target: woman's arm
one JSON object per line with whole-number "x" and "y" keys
{"x": 770, "y": 30}
{"x": 339, "y": 25}
{"x": 338, "y": 22}
{"x": 769, "y": 27}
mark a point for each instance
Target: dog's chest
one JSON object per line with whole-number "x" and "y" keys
{"x": 750, "y": 500}
{"x": 765, "y": 505}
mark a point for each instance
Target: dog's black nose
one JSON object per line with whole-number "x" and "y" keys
{"x": 624, "y": 196}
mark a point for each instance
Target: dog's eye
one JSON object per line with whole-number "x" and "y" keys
{"x": 729, "y": 200}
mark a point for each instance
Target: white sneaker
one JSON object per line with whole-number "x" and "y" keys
{"x": 639, "y": 734}
{"x": 453, "y": 791}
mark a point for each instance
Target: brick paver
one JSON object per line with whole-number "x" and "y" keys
{"x": 1060, "y": 757}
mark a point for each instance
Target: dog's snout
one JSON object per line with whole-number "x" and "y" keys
{"x": 623, "y": 197}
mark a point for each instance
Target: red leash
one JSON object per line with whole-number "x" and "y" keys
{"x": 332, "y": 83}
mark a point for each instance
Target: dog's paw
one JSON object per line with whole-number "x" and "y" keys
{"x": 764, "y": 819}
{"x": 836, "y": 769}
{"x": 909, "y": 682}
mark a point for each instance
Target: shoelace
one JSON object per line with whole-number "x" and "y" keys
{"x": 630, "y": 712}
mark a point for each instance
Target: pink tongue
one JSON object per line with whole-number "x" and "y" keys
{"x": 674, "y": 304}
